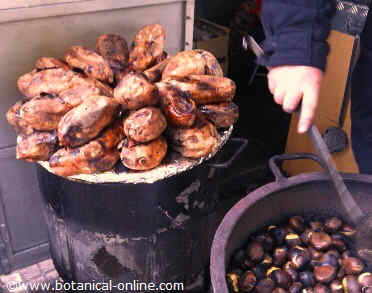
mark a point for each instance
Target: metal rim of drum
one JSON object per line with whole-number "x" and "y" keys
{"x": 164, "y": 171}
{"x": 226, "y": 228}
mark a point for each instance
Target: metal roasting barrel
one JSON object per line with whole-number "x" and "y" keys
{"x": 306, "y": 194}
{"x": 148, "y": 232}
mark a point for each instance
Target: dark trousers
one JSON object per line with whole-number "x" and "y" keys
{"x": 361, "y": 102}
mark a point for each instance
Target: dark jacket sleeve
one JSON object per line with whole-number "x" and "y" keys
{"x": 296, "y": 32}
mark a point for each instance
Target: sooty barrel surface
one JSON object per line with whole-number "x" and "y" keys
{"x": 158, "y": 232}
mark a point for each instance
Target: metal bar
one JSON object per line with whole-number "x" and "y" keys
{"x": 189, "y": 24}
{"x": 83, "y": 6}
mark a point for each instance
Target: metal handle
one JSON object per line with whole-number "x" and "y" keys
{"x": 243, "y": 144}
{"x": 274, "y": 162}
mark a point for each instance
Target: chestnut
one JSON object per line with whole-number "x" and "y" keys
{"x": 278, "y": 234}
{"x": 305, "y": 236}
{"x": 293, "y": 273}
{"x": 289, "y": 265}
{"x": 308, "y": 290}
{"x": 320, "y": 240}
{"x": 297, "y": 223}
{"x": 266, "y": 241}
{"x": 348, "y": 231}
{"x": 265, "y": 286}
{"x": 333, "y": 224}
{"x": 329, "y": 259}
{"x": 321, "y": 288}
{"x": 351, "y": 285}
{"x": 280, "y": 256}
{"x": 316, "y": 226}
{"x": 247, "y": 281}
{"x": 336, "y": 287}
{"x": 255, "y": 251}
{"x": 338, "y": 242}
{"x": 295, "y": 288}
{"x": 365, "y": 280}
{"x": 279, "y": 290}
{"x": 352, "y": 265}
{"x": 340, "y": 273}
{"x": 325, "y": 274}
{"x": 233, "y": 282}
{"x": 267, "y": 261}
{"x": 259, "y": 271}
{"x": 307, "y": 279}
{"x": 281, "y": 278}
{"x": 315, "y": 254}
{"x": 299, "y": 256}
{"x": 292, "y": 239}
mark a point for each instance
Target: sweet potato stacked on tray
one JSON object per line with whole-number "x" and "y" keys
{"x": 86, "y": 112}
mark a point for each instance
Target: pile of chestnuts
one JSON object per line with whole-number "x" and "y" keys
{"x": 308, "y": 257}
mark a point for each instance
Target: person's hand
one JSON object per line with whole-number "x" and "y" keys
{"x": 291, "y": 85}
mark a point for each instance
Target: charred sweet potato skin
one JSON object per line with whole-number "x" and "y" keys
{"x": 37, "y": 146}
{"x": 145, "y": 124}
{"x": 114, "y": 49}
{"x": 145, "y": 156}
{"x": 86, "y": 121}
{"x": 222, "y": 115}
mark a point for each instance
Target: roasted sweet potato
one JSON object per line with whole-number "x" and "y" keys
{"x": 212, "y": 66}
{"x": 86, "y": 121}
{"x": 206, "y": 89}
{"x": 148, "y": 46}
{"x": 14, "y": 119}
{"x": 51, "y": 81}
{"x": 221, "y": 115}
{"x": 184, "y": 64}
{"x": 44, "y": 113}
{"x": 87, "y": 159}
{"x": 112, "y": 135}
{"x": 90, "y": 62}
{"x": 177, "y": 106}
{"x": 50, "y": 63}
{"x": 37, "y": 146}
{"x": 154, "y": 73}
{"x": 134, "y": 92}
{"x": 145, "y": 124}
{"x": 195, "y": 142}
{"x": 145, "y": 156}
{"x": 114, "y": 49}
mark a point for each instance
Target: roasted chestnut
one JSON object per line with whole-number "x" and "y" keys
{"x": 293, "y": 273}
{"x": 326, "y": 259}
{"x": 316, "y": 226}
{"x": 297, "y": 223}
{"x": 333, "y": 224}
{"x": 305, "y": 236}
{"x": 233, "y": 281}
{"x": 266, "y": 240}
{"x": 365, "y": 280}
{"x": 281, "y": 278}
{"x": 321, "y": 288}
{"x": 255, "y": 252}
{"x": 299, "y": 256}
{"x": 340, "y": 273}
{"x": 259, "y": 271}
{"x": 308, "y": 290}
{"x": 325, "y": 274}
{"x": 278, "y": 234}
{"x": 267, "y": 261}
{"x": 292, "y": 239}
{"x": 336, "y": 287}
{"x": 348, "y": 231}
{"x": 279, "y": 290}
{"x": 352, "y": 265}
{"x": 307, "y": 279}
{"x": 320, "y": 240}
{"x": 247, "y": 281}
{"x": 280, "y": 256}
{"x": 295, "y": 288}
{"x": 265, "y": 286}
{"x": 338, "y": 242}
{"x": 315, "y": 254}
{"x": 350, "y": 284}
